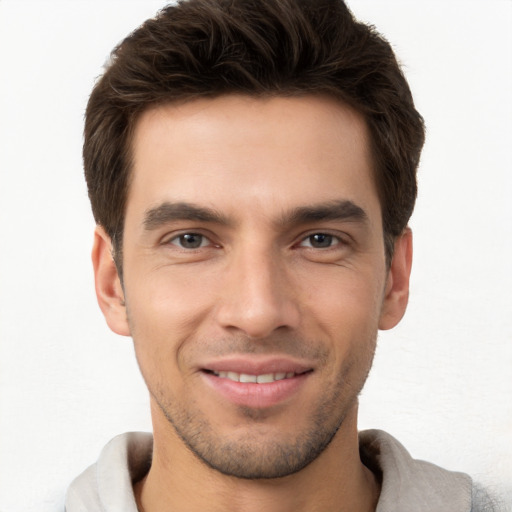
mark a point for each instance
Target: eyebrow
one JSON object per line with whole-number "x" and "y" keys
{"x": 167, "y": 212}
{"x": 343, "y": 210}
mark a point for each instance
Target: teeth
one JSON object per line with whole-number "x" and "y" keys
{"x": 232, "y": 376}
{"x": 260, "y": 379}
{"x": 268, "y": 377}
{"x": 248, "y": 378}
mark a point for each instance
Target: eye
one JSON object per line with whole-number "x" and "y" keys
{"x": 190, "y": 241}
{"x": 320, "y": 241}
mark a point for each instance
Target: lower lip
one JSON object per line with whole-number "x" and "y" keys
{"x": 258, "y": 396}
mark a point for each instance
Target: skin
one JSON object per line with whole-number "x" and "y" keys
{"x": 253, "y": 231}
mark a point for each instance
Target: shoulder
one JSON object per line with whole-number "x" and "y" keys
{"x": 411, "y": 484}
{"x": 107, "y": 484}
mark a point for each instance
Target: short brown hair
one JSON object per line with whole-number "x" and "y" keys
{"x": 207, "y": 48}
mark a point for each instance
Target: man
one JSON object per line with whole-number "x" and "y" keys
{"x": 251, "y": 167}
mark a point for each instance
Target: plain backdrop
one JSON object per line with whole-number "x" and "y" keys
{"x": 442, "y": 380}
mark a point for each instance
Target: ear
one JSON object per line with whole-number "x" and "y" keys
{"x": 396, "y": 294}
{"x": 109, "y": 291}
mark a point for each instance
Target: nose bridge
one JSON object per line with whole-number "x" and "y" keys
{"x": 256, "y": 298}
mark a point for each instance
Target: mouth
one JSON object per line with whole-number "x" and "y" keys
{"x": 246, "y": 378}
{"x": 253, "y": 384}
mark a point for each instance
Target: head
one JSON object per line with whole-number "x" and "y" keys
{"x": 260, "y": 48}
{"x": 251, "y": 166}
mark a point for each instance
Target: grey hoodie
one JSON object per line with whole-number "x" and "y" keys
{"x": 408, "y": 485}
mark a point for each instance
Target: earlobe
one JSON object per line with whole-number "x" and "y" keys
{"x": 396, "y": 294}
{"x": 109, "y": 291}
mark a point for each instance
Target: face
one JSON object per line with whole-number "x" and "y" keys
{"x": 254, "y": 276}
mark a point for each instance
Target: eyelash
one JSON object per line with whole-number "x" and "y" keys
{"x": 338, "y": 240}
{"x": 178, "y": 240}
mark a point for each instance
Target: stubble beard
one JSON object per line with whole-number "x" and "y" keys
{"x": 258, "y": 455}
{"x": 254, "y": 457}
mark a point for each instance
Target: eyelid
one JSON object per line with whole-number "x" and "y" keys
{"x": 177, "y": 240}
{"x": 169, "y": 238}
{"x": 343, "y": 239}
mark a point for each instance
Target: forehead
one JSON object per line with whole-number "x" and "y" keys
{"x": 279, "y": 151}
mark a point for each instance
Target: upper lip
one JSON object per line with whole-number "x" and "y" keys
{"x": 256, "y": 366}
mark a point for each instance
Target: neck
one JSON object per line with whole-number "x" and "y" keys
{"x": 336, "y": 481}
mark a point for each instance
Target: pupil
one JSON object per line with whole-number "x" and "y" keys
{"x": 321, "y": 240}
{"x": 191, "y": 241}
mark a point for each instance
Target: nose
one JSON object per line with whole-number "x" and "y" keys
{"x": 258, "y": 296}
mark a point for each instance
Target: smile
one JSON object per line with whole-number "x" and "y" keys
{"x": 265, "y": 378}
{"x": 256, "y": 388}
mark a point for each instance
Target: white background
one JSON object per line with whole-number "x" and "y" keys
{"x": 442, "y": 380}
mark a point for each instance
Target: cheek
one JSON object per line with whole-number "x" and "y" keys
{"x": 346, "y": 298}
{"x": 344, "y": 309}
{"x": 165, "y": 310}
{"x": 171, "y": 296}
